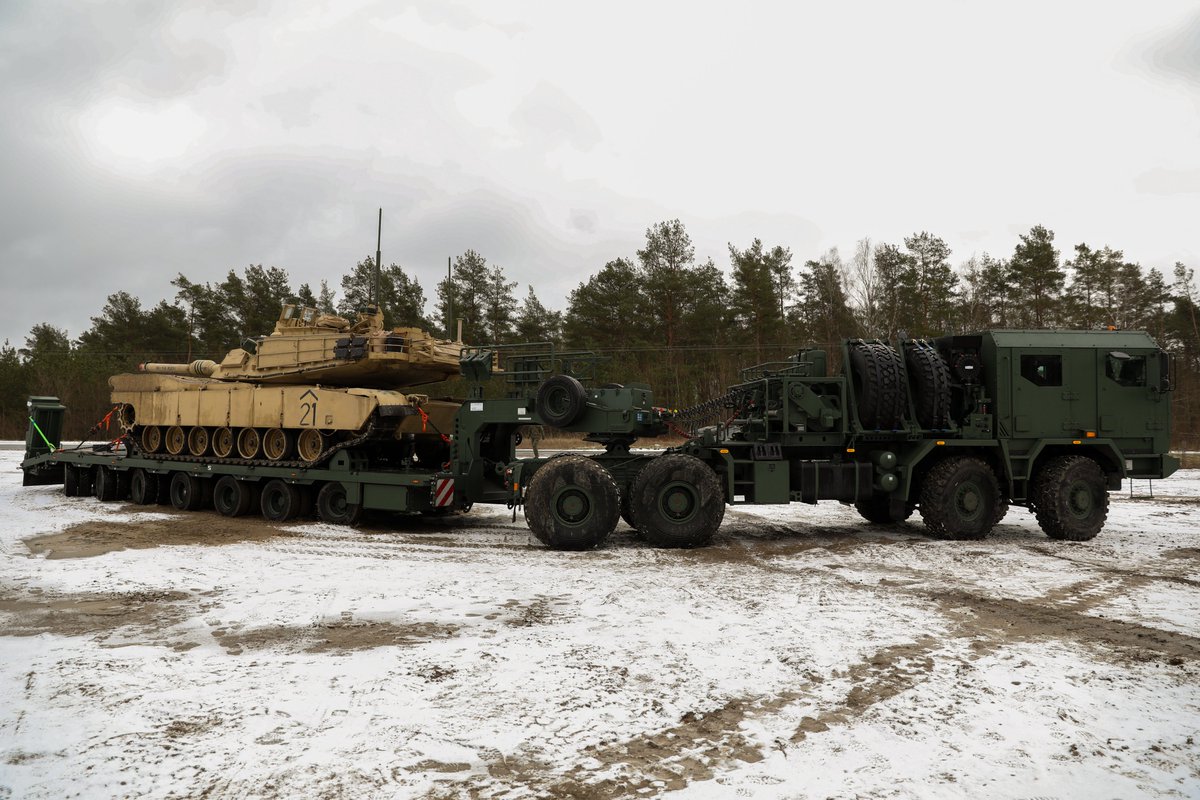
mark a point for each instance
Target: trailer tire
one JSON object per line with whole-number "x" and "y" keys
{"x": 560, "y": 400}
{"x": 332, "y": 506}
{"x": 187, "y": 491}
{"x": 281, "y": 501}
{"x": 930, "y": 378}
{"x": 233, "y": 498}
{"x": 959, "y": 498}
{"x": 143, "y": 487}
{"x": 677, "y": 501}
{"x": 70, "y": 480}
{"x": 1070, "y": 498}
{"x": 571, "y": 503}
{"x": 109, "y": 484}
{"x": 875, "y": 369}
{"x": 877, "y": 509}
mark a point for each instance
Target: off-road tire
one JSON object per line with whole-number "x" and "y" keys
{"x": 233, "y": 498}
{"x": 571, "y": 503}
{"x": 560, "y": 400}
{"x": 677, "y": 501}
{"x": 626, "y": 508}
{"x": 878, "y": 386}
{"x": 930, "y": 379}
{"x": 188, "y": 493}
{"x": 281, "y": 501}
{"x": 877, "y": 509}
{"x": 959, "y": 497}
{"x": 1070, "y": 498}
{"x": 143, "y": 487}
{"x": 333, "y": 508}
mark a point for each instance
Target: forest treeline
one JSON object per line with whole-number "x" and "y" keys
{"x": 657, "y": 315}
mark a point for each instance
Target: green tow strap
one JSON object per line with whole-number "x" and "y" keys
{"x": 39, "y": 430}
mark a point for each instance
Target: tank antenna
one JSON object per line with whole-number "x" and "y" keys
{"x": 373, "y": 299}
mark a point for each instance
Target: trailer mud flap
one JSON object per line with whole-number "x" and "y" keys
{"x": 824, "y": 480}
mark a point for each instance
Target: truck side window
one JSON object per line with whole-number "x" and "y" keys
{"x": 1042, "y": 370}
{"x": 1125, "y": 369}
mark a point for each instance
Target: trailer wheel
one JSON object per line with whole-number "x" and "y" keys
{"x": 959, "y": 497}
{"x": 571, "y": 503}
{"x": 70, "y": 481}
{"x": 333, "y": 507}
{"x": 233, "y": 498}
{"x": 280, "y": 501}
{"x": 187, "y": 491}
{"x": 931, "y": 385}
{"x": 877, "y": 509}
{"x": 108, "y": 484}
{"x": 878, "y": 386}
{"x": 143, "y": 487}
{"x": 560, "y": 400}
{"x": 87, "y": 480}
{"x": 1070, "y": 498}
{"x": 677, "y": 501}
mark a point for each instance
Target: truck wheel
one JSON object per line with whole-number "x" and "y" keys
{"x": 877, "y": 509}
{"x": 332, "y": 506}
{"x": 187, "y": 491}
{"x": 626, "y": 508}
{"x": 677, "y": 501}
{"x": 70, "y": 481}
{"x": 143, "y": 487}
{"x": 571, "y": 503}
{"x": 959, "y": 498}
{"x": 1070, "y": 498}
{"x": 930, "y": 379}
{"x": 233, "y": 498}
{"x": 280, "y": 501}
{"x": 560, "y": 400}
{"x": 875, "y": 370}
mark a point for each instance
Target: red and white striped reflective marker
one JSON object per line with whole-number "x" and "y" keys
{"x": 443, "y": 492}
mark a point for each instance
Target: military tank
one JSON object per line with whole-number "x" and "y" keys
{"x": 317, "y": 384}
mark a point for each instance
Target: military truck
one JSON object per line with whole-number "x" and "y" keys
{"x": 958, "y": 428}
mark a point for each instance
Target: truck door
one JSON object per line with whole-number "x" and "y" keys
{"x": 1130, "y": 405}
{"x": 1041, "y": 401}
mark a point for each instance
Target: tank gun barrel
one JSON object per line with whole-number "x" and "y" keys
{"x": 202, "y": 368}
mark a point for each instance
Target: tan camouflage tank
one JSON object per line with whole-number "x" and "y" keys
{"x": 318, "y": 384}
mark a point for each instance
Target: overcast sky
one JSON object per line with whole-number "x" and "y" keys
{"x": 136, "y": 143}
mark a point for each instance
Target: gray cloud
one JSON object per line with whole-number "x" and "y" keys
{"x": 1168, "y": 181}
{"x": 549, "y": 113}
{"x": 1177, "y": 53}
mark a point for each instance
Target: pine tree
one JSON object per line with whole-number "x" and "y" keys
{"x": 760, "y": 280}
{"x": 1038, "y": 278}
{"x": 536, "y": 323}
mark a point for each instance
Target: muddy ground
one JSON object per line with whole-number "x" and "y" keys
{"x": 804, "y": 654}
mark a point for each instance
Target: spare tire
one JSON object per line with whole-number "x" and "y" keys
{"x": 560, "y": 400}
{"x": 878, "y": 385}
{"x": 930, "y": 378}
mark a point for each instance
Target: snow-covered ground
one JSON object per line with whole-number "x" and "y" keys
{"x": 805, "y": 654}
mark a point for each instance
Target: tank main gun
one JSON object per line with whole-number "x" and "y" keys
{"x": 200, "y": 368}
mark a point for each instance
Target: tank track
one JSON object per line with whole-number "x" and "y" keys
{"x": 260, "y": 462}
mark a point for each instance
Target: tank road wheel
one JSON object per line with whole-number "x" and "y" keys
{"x": 277, "y": 444}
{"x": 332, "y": 506}
{"x": 560, "y": 400}
{"x": 1070, "y": 498}
{"x": 959, "y": 498}
{"x": 571, "y": 503}
{"x": 175, "y": 440}
{"x": 143, "y": 487}
{"x": 188, "y": 492}
{"x": 248, "y": 443}
{"x": 233, "y": 498}
{"x": 878, "y": 386}
{"x": 280, "y": 501}
{"x": 930, "y": 378}
{"x": 677, "y": 501}
{"x": 70, "y": 481}
{"x": 197, "y": 441}
{"x": 151, "y": 439}
{"x": 222, "y": 442}
{"x": 310, "y": 444}
{"x": 877, "y": 508}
